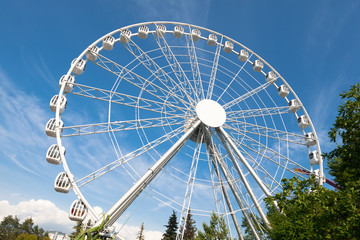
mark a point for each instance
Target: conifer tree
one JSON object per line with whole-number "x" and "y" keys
{"x": 171, "y": 228}
{"x": 140, "y": 235}
{"x": 190, "y": 227}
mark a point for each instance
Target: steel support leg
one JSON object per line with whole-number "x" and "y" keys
{"x": 126, "y": 200}
{"x": 215, "y": 155}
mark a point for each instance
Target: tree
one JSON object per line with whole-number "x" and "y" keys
{"x": 140, "y": 235}
{"x": 190, "y": 227}
{"x": 344, "y": 160}
{"x": 217, "y": 230}
{"x": 259, "y": 225}
{"x": 309, "y": 211}
{"x": 171, "y": 228}
{"x": 77, "y": 229}
{"x": 11, "y": 228}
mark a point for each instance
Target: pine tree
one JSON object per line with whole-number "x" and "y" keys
{"x": 190, "y": 228}
{"x": 171, "y": 228}
{"x": 77, "y": 229}
{"x": 140, "y": 235}
{"x": 216, "y": 230}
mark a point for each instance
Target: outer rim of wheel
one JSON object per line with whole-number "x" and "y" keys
{"x": 135, "y": 33}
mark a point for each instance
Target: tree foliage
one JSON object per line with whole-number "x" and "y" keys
{"x": 309, "y": 211}
{"x": 140, "y": 235}
{"x": 11, "y": 228}
{"x": 171, "y": 228}
{"x": 190, "y": 227}
{"x": 344, "y": 160}
{"x": 217, "y": 230}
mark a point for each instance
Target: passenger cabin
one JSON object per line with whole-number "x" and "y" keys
{"x": 271, "y": 77}
{"x": 54, "y": 102}
{"x": 294, "y": 105}
{"x": 195, "y": 34}
{"x": 303, "y": 121}
{"x": 92, "y": 53}
{"x": 53, "y": 154}
{"x": 78, "y": 211}
{"x": 283, "y": 91}
{"x": 314, "y": 157}
{"x": 143, "y": 32}
{"x": 212, "y": 39}
{"x": 69, "y": 81}
{"x": 258, "y": 65}
{"x": 78, "y": 66}
{"x": 228, "y": 47}
{"x": 310, "y": 139}
{"x": 108, "y": 43}
{"x": 178, "y": 31}
{"x": 243, "y": 55}
{"x": 160, "y": 30}
{"x": 125, "y": 36}
{"x": 50, "y": 128}
{"x": 62, "y": 183}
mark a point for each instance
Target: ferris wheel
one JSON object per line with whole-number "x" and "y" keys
{"x": 179, "y": 115}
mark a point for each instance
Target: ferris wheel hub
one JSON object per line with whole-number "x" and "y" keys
{"x": 211, "y": 113}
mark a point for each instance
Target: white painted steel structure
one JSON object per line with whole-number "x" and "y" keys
{"x": 183, "y": 105}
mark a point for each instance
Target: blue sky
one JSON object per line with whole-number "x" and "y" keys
{"x": 313, "y": 44}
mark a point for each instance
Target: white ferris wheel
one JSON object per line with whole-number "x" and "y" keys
{"x": 180, "y": 115}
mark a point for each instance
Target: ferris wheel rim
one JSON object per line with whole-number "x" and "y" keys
{"x": 61, "y": 93}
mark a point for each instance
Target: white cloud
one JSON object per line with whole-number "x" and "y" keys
{"x": 130, "y": 233}
{"x": 43, "y": 212}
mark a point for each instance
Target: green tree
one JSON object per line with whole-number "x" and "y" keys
{"x": 217, "y": 230}
{"x": 309, "y": 211}
{"x": 77, "y": 229}
{"x": 190, "y": 227}
{"x": 344, "y": 160}
{"x": 26, "y": 236}
{"x": 171, "y": 228}
{"x": 249, "y": 235}
{"x": 140, "y": 235}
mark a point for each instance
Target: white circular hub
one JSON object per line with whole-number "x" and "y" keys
{"x": 211, "y": 113}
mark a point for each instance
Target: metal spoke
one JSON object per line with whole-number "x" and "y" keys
{"x": 233, "y": 115}
{"x": 137, "y": 80}
{"x": 174, "y": 64}
{"x": 121, "y": 126}
{"x": 125, "y": 99}
{"x": 246, "y": 95}
{"x": 119, "y": 162}
{"x": 193, "y": 59}
{"x": 244, "y": 127}
{"x": 214, "y": 70}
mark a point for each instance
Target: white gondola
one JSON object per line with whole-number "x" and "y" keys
{"x": 294, "y": 105}
{"x": 314, "y": 157}
{"x": 310, "y": 139}
{"x": 108, "y": 43}
{"x": 69, "y": 81}
{"x": 92, "y": 53}
{"x": 212, "y": 39}
{"x": 78, "y": 211}
{"x": 178, "y": 31}
{"x": 125, "y": 36}
{"x": 54, "y": 101}
{"x": 79, "y": 67}
{"x": 228, "y": 46}
{"x": 258, "y": 65}
{"x": 62, "y": 183}
{"x": 303, "y": 121}
{"x": 283, "y": 91}
{"x": 53, "y": 154}
{"x": 160, "y": 30}
{"x": 271, "y": 77}
{"x": 195, "y": 34}
{"x": 143, "y": 32}
{"x": 50, "y": 128}
{"x": 243, "y": 55}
